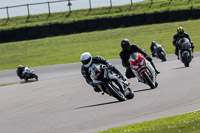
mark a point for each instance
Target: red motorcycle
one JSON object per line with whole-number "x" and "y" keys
{"x": 143, "y": 70}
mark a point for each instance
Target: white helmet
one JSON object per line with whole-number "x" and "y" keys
{"x": 86, "y": 59}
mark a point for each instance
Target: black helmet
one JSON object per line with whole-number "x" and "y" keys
{"x": 180, "y": 30}
{"x": 125, "y": 44}
{"x": 153, "y": 43}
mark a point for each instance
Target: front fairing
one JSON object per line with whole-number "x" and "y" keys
{"x": 185, "y": 53}
{"x": 27, "y": 70}
{"x": 93, "y": 70}
{"x": 184, "y": 44}
{"x": 159, "y": 49}
{"x": 139, "y": 64}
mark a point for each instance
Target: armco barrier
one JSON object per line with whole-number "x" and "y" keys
{"x": 35, "y": 32}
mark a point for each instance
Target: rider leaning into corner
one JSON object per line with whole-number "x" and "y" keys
{"x": 180, "y": 34}
{"x": 20, "y": 70}
{"x": 127, "y": 50}
{"x": 87, "y": 60}
{"x": 152, "y": 48}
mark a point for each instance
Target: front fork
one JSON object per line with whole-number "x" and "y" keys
{"x": 148, "y": 68}
{"x": 182, "y": 54}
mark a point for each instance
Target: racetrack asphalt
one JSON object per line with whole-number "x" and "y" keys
{"x": 62, "y": 102}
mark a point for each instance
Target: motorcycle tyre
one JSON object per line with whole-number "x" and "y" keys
{"x": 162, "y": 57}
{"x": 186, "y": 62}
{"x": 35, "y": 76}
{"x": 148, "y": 80}
{"x": 115, "y": 93}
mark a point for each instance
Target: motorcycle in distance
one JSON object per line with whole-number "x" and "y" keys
{"x": 110, "y": 82}
{"x": 184, "y": 51}
{"x": 143, "y": 70}
{"x": 29, "y": 74}
{"x": 160, "y": 52}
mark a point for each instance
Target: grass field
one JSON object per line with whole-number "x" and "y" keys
{"x": 186, "y": 123}
{"x": 67, "y": 49}
{"x": 62, "y": 17}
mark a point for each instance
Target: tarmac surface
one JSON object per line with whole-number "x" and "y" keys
{"x": 62, "y": 102}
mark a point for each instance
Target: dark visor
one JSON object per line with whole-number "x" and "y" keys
{"x": 85, "y": 62}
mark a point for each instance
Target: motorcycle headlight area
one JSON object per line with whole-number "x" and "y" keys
{"x": 135, "y": 67}
{"x": 142, "y": 62}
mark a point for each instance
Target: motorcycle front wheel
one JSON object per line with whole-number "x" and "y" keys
{"x": 35, "y": 76}
{"x": 186, "y": 62}
{"x": 148, "y": 80}
{"x": 115, "y": 92}
{"x": 162, "y": 56}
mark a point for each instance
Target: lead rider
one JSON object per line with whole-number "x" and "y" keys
{"x": 180, "y": 34}
{"x": 87, "y": 60}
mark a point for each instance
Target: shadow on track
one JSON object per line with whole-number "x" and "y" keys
{"x": 98, "y": 105}
{"x": 143, "y": 90}
{"x": 179, "y": 68}
{"x": 29, "y": 81}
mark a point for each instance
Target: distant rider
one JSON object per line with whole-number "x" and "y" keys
{"x": 153, "y": 47}
{"x": 20, "y": 70}
{"x": 127, "y": 50}
{"x": 180, "y": 34}
{"x": 87, "y": 60}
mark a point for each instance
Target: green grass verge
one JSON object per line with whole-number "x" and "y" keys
{"x": 1, "y": 85}
{"x": 62, "y": 17}
{"x": 186, "y": 123}
{"x": 68, "y": 48}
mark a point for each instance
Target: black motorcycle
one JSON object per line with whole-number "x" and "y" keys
{"x": 160, "y": 52}
{"x": 110, "y": 82}
{"x": 185, "y": 51}
{"x": 28, "y": 73}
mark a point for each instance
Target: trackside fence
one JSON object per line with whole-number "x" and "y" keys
{"x": 35, "y": 32}
{"x": 65, "y": 2}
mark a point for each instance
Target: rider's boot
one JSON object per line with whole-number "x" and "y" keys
{"x": 157, "y": 72}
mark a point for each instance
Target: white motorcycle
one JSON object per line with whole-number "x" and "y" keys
{"x": 160, "y": 52}
{"x": 110, "y": 82}
{"x": 143, "y": 70}
{"x": 28, "y": 73}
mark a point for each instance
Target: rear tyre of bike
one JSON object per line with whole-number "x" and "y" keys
{"x": 148, "y": 80}
{"x": 186, "y": 63}
{"x": 115, "y": 92}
